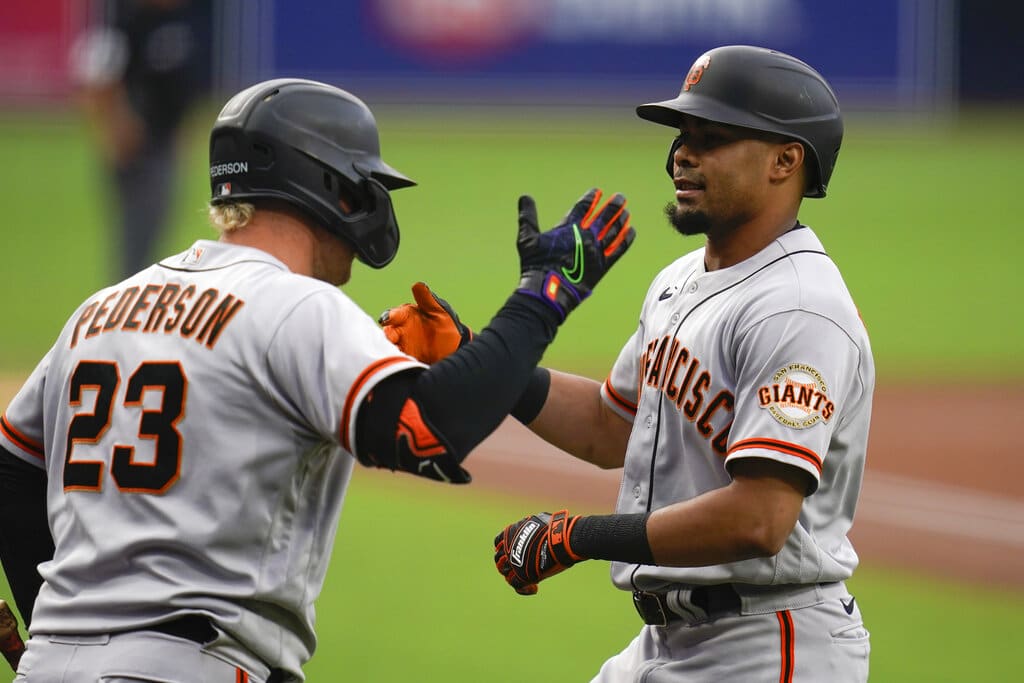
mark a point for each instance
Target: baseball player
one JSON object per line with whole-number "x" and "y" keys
{"x": 194, "y": 427}
{"x": 738, "y": 410}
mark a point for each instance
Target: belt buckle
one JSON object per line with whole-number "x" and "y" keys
{"x": 650, "y": 608}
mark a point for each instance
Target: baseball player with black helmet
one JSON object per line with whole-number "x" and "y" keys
{"x": 194, "y": 427}
{"x": 738, "y": 409}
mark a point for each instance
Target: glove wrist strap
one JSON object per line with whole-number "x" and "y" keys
{"x": 561, "y": 526}
{"x": 549, "y": 287}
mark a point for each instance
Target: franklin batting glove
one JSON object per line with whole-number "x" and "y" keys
{"x": 563, "y": 265}
{"x": 429, "y": 330}
{"x": 535, "y": 548}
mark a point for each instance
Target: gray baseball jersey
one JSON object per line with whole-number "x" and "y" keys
{"x": 196, "y": 423}
{"x": 765, "y": 359}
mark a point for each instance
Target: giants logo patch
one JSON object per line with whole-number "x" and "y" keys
{"x": 797, "y": 397}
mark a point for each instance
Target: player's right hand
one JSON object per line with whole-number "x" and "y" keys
{"x": 428, "y": 330}
{"x": 563, "y": 265}
{"x": 535, "y": 548}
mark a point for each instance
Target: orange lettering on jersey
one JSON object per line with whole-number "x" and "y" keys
{"x": 797, "y": 396}
{"x": 662, "y": 362}
{"x": 198, "y": 312}
{"x": 82, "y": 320}
{"x": 671, "y": 388}
{"x": 179, "y": 308}
{"x": 645, "y": 360}
{"x": 98, "y": 319}
{"x": 654, "y": 378}
{"x": 670, "y": 362}
{"x": 693, "y": 405}
{"x": 209, "y": 313}
{"x": 691, "y": 369}
{"x": 721, "y": 441}
{"x": 724, "y": 400}
{"x": 120, "y": 308}
{"x": 132, "y": 323}
{"x": 220, "y": 317}
{"x": 159, "y": 312}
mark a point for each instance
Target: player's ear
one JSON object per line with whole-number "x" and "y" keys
{"x": 787, "y": 160}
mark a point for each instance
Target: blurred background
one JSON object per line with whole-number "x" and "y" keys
{"x": 105, "y": 108}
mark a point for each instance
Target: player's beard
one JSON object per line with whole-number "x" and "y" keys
{"x": 687, "y": 222}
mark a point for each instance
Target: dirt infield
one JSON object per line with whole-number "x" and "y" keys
{"x": 943, "y": 493}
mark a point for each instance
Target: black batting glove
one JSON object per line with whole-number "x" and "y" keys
{"x": 535, "y": 548}
{"x": 563, "y": 265}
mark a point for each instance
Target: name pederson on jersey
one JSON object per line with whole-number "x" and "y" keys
{"x": 196, "y": 424}
{"x": 765, "y": 359}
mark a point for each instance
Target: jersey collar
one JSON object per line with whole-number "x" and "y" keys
{"x": 789, "y": 242}
{"x": 211, "y": 255}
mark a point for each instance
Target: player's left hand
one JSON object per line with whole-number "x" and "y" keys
{"x": 428, "y": 330}
{"x": 535, "y": 548}
{"x": 562, "y": 266}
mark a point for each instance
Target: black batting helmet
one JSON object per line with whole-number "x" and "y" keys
{"x": 309, "y": 144}
{"x": 765, "y": 90}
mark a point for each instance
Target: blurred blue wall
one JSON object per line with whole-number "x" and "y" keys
{"x": 889, "y": 54}
{"x": 878, "y": 54}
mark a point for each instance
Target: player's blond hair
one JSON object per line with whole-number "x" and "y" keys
{"x": 227, "y": 218}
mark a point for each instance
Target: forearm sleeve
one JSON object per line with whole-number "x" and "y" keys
{"x": 25, "y": 539}
{"x": 619, "y": 538}
{"x": 464, "y": 397}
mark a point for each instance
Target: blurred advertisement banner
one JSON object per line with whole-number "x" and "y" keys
{"x": 897, "y": 54}
{"x": 890, "y": 54}
{"x": 35, "y": 38}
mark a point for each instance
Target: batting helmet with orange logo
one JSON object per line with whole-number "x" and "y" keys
{"x": 765, "y": 90}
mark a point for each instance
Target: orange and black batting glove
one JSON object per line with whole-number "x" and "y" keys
{"x": 428, "y": 330}
{"x": 535, "y": 548}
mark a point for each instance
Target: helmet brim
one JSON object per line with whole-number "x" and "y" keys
{"x": 390, "y": 177}
{"x": 670, "y": 113}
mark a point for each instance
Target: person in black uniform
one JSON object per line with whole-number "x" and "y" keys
{"x": 140, "y": 69}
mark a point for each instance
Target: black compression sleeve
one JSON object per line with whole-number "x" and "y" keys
{"x": 25, "y": 539}
{"x": 533, "y": 398}
{"x": 468, "y": 394}
{"x": 619, "y": 538}
{"x": 465, "y": 396}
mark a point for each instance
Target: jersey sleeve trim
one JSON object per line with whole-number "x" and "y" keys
{"x": 618, "y": 400}
{"x": 25, "y": 443}
{"x": 783, "y": 447}
{"x": 354, "y": 392}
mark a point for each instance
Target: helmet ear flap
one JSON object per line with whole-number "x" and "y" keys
{"x": 670, "y": 162}
{"x": 373, "y": 230}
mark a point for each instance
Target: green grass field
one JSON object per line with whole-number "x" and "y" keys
{"x": 919, "y": 218}
{"x": 412, "y": 595}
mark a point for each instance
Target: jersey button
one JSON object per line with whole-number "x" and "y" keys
{"x": 674, "y": 319}
{"x": 693, "y": 287}
{"x": 636, "y": 491}
{"x": 649, "y": 421}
